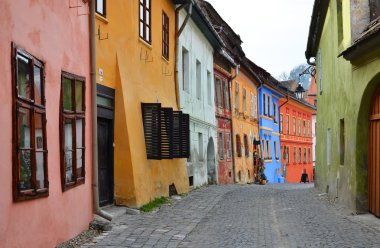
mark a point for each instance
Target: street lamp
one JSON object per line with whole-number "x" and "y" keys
{"x": 299, "y": 91}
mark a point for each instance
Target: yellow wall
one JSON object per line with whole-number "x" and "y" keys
{"x": 138, "y": 73}
{"x": 243, "y": 123}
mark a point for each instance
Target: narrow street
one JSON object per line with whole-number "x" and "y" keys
{"x": 290, "y": 215}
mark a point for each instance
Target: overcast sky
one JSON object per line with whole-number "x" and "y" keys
{"x": 274, "y": 32}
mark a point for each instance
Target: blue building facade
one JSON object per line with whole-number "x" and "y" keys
{"x": 270, "y": 132}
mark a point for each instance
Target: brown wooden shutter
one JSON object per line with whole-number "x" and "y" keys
{"x": 185, "y": 136}
{"x": 151, "y": 113}
{"x": 166, "y": 133}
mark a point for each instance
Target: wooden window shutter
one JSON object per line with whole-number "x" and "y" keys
{"x": 151, "y": 113}
{"x": 166, "y": 133}
{"x": 185, "y": 135}
{"x": 238, "y": 145}
{"x": 177, "y": 134}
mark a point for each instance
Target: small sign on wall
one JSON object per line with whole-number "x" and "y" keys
{"x": 100, "y": 74}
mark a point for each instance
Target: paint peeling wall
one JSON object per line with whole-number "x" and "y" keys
{"x": 201, "y": 165}
{"x": 56, "y": 34}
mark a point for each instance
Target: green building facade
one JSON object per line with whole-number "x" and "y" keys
{"x": 343, "y": 43}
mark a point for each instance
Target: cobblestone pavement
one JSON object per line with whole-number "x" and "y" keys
{"x": 244, "y": 216}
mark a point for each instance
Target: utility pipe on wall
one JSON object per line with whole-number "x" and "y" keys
{"x": 232, "y": 125}
{"x": 95, "y": 186}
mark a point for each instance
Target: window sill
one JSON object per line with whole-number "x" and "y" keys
{"x": 71, "y": 185}
{"x": 165, "y": 59}
{"x": 101, "y": 18}
{"x": 27, "y": 195}
{"x": 145, "y": 43}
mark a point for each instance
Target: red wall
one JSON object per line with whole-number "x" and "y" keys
{"x": 223, "y": 117}
{"x": 294, "y": 169}
{"x": 54, "y": 33}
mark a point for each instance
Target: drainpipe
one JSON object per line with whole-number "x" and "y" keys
{"x": 232, "y": 125}
{"x": 95, "y": 187}
{"x": 178, "y": 34}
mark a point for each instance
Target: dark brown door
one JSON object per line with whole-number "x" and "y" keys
{"x": 105, "y": 161}
{"x": 374, "y": 157}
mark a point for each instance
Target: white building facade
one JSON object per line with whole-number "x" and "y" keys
{"x": 196, "y": 45}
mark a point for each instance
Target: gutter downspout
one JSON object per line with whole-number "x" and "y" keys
{"x": 232, "y": 125}
{"x": 258, "y": 113}
{"x": 95, "y": 187}
{"x": 178, "y": 34}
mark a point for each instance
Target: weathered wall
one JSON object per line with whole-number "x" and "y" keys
{"x": 244, "y": 123}
{"x": 202, "y": 111}
{"x": 138, "y": 73}
{"x": 347, "y": 93}
{"x": 54, "y": 33}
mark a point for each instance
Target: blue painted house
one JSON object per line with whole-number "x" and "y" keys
{"x": 270, "y": 91}
{"x": 269, "y": 120}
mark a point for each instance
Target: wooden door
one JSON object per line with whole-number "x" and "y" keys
{"x": 105, "y": 161}
{"x": 374, "y": 157}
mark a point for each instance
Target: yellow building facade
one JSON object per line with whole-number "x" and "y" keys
{"x": 245, "y": 124}
{"x": 135, "y": 53}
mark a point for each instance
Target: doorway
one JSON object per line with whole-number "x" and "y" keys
{"x": 211, "y": 169}
{"x": 374, "y": 157}
{"x": 105, "y": 125}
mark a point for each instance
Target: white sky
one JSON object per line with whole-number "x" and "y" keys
{"x": 274, "y": 32}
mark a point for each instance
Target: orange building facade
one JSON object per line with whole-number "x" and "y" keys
{"x": 296, "y": 139}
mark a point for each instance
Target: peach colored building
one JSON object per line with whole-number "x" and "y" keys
{"x": 45, "y": 122}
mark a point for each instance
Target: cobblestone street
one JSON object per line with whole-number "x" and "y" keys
{"x": 245, "y": 216}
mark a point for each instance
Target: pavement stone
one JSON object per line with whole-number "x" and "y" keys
{"x": 273, "y": 215}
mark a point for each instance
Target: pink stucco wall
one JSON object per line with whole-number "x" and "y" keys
{"x": 54, "y": 33}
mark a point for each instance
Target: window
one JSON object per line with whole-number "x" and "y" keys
{"x": 309, "y": 153}
{"x": 264, "y": 104}
{"x": 308, "y": 128}
{"x": 281, "y": 120}
{"x": 251, "y": 107}
{"x": 145, "y": 20}
{"x": 165, "y": 35}
{"x": 199, "y": 79}
{"x": 244, "y": 100}
{"x": 294, "y": 126}
{"x": 221, "y": 146}
{"x": 300, "y": 155}
{"x": 209, "y": 95}
{"x": 72, "y": 130}
{"x": 228, "y": 145}
{"x": 319, "y": 71}
{"x": 299, "y": 127}
{"x": 268, "y": 103}
{"x": 226, "y": 95}
{"x": 275, "y": 112}
{"x": 263, "y": 147}
{"x": 304, "y": 128}
{"x": 237, "y": 96}
{"x": 339, "y": 20}
{"x": 101, "y": 7}
{"x": 246, "y": 146}
{"x": 341, "y": 142}
{"x": 268, "y": 150}
{"x": 29, "y": 135}
{"x": 328, "y": 146}
{"x": 275, "y": 150}
{"x": 238, "y": 145}
{"x": 218, "y": 86}
{"x": 185, "y": 69}
{"x": 287, "y": 155}
{"x": 294, "y": 155}
{"x": 304, "y": 156}
{"x": 200, "y": 146}
{"x": 374, "y": 8}
{"x": 287, "y": 124}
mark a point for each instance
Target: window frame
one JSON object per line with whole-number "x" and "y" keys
{"x": 287, "y": 124}
{"x": 228, "y": 144}
{"x": 73, "y": 115}
{"x": 104, "y": 8}
{"x": 246, "y": 146}
{"x": 165, "y": 36}
{"x": 143, "y": 20}
{"x": 238, "y": 146}
{"x": 19, "y": 102}
{"x": 221, "y": 145}
{"x": 281, "y": 123}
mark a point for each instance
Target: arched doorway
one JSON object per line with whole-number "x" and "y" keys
{"x": 211, "y": 169}
{"x": 374, "y": 156}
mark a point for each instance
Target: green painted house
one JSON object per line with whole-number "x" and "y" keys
{"x": 344, "y": 44}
